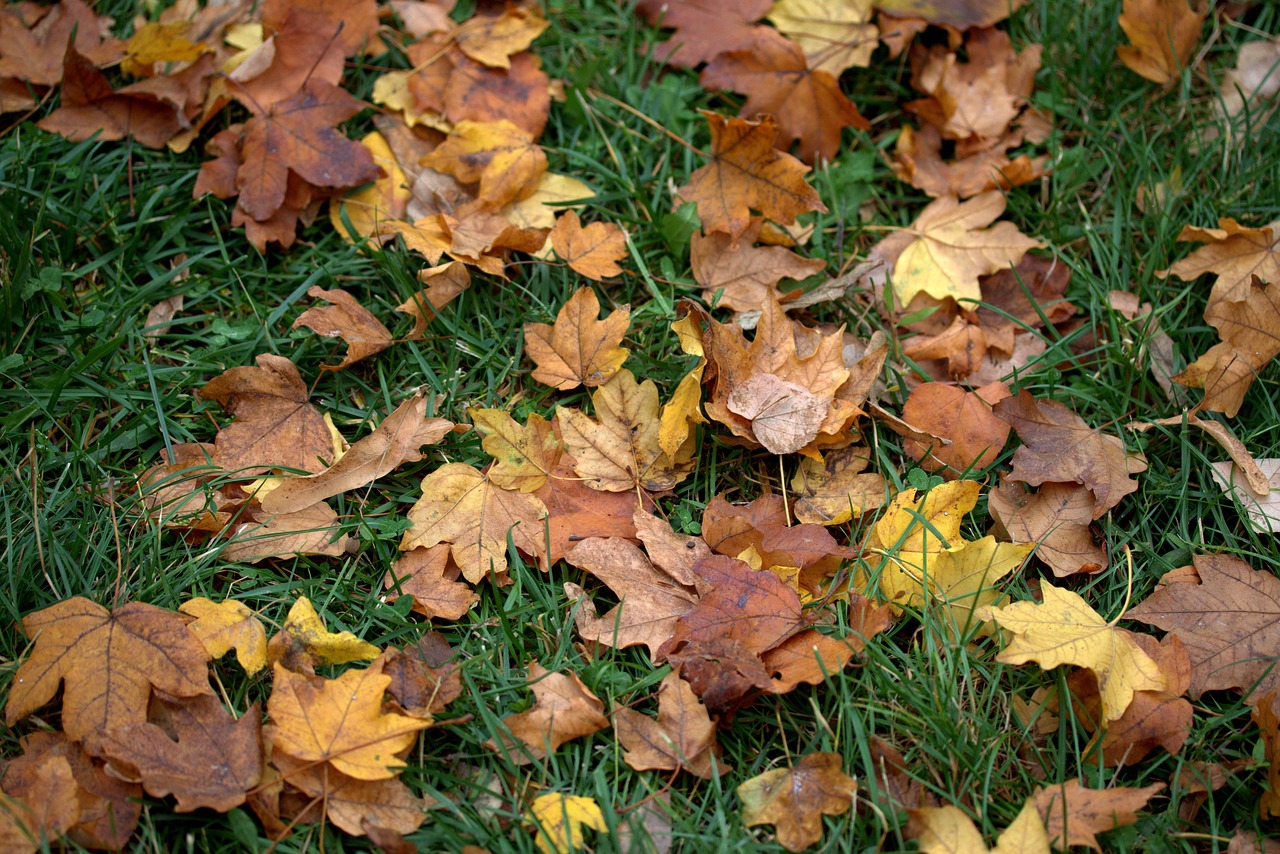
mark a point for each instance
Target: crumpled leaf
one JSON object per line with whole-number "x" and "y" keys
{"x": 564, "y": 709}
{"x": 748, "y": 275}
{"x": 346, "y": 319}
{"x": 795, "y": 799}
{"x": 1058, "y": 519}
{"x": 578, "y": 348}
{"x": 835, "y": 488}
{"x": 304, "y": 633}
{"x": 46, "y": 809}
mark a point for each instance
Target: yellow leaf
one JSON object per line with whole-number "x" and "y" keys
{"x": 930, "y": 523}
{"x": 154, "y": 42}
{"x": 833, "y": 489}
{"x": 682, "y": 412}
{"x": 501, "y": 156}
{"x": 554, "y": 194}
{"x": 305, "y": 626}
{"x": 1065, "y": 630}
{"x": 524, "y": 456}
{"x": 230, "y": 624}
{"x": 560, "y": 820}
{"x": 384, "y": 199}
{"x": 947, "y": 830}
{"x": 953, "y": 247}
{"x": 1162, "y": 37}
{"x": 492, "y": 39}
{"x": 835, "y": 35}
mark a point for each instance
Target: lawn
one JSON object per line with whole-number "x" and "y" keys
{"x": 94, "y": 234}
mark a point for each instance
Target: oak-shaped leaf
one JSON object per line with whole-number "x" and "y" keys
{"x": 1059, "y": 447}
{"x": 1228, "y": 617}
{"x": 795, "y": 799}
{"x": 806, "y": 103}
{"x": 560, "y": 820}
{"x": 397, "y": 440}
{"x": 194, "y": 750}
{"x": 578, "y": 348}
{"x": 564, "y": 709}
{"x": 1074, "y": 815}
{"x": 681, "y": 738}
{"x": 1063, "y": 629}
{"x": 748, "y": 173}
{"x": 340, "y": 721}
{"x": 1162, "y": 37}
{"x": 227, "y": 625}
{"x": 462, "y": 507}
{"x": 593, "y": 250}
{"x": 703, "y": 28}
{"x": 107, "y": 663}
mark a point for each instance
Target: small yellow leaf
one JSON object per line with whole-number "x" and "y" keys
{"x": 947, "y": 830}
{"x": 560, "y": 820}
{"x": 305, "y": 626}
{"x": 523, "y": 456}
{"x": 230, "y": 624}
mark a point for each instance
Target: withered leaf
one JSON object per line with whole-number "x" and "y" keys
{"x": 346, "y": 319}
{"x": 501, "y": 156}
{"x": 835, "y": 488}
{"x": 576, "y": 512}
{"x": 49, "y": 808}
{"x": 432, "y": 580}
{"x": 1074, "y": 814}
{"x": 682, "y": 737}
{"x": 748, "y": 275}
{"x": 704, "y": 28}
{"x": 795, "y": 799}
{"x": 977, "y": 435}
{"x": 107, "y": 663}
{"x": 1058, "y": 519}
{"x": 578, "y": 347}
{"x": 593, "y": 250}
{"x": 226, "y": 625}
{"x": 1162, "y": 35}
{"x": 424, "y": 676}
{"x": 960, "y": 14}
{"x": 523, "y": 456}
{"x": 356, "y": 805}
{"x": 564, "y": 710}
{"x": 1235, "y": 253}
{"x": 304, "y": 637}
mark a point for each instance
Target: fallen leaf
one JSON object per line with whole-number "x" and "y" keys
{"x": 977, "y": 435}
{"x": 576, "y": 512}
{"x": 520, "y": 94}
{"x": 1247, "y": 90}
{"x": 1229, "y": 620}
{"x": 682, "y": 738}
{"x": 979, "y": 167}
{"x": 560, "y": 820}
{"x": 107, "y": 662}
{"x": 960, "y": 14}
{"x": 352, "y": 24}
{"x": 196, "y": 752}
{"x": 443, "y": 284}
{"x": 703, "y": 28}
{"x": 47, "y": 809}
{"x": 340, "y": 721}
{"x": 501, "y": 156}
{"x": 1063, "y": 629}
{"x": 1074, "y": 815}
{"x": 835, "y": 36}
{"x": 747, "y": 172}
{"x": 494, "y": 39}
{"x": 1058, "y": 446}
{"x": 784, "y": 416}
{"x": 230, "y": 624}
{"x": 355, "y": 806}
{"x": 563, "y": 709}
{"x": 1058, "y": 519}
{"x": 304, "y": 633}
{"x": 795, "y": 799}
{"x": 366, "y": 209}
{"x": 1265, "y": 716}
{"x": 594, "y": 250}
{"x": 258, "y": 536}
{"x": 953, "y": 246}
{"x": 748, "y": 275}
{"x": 835, "y": 488}
{"x": 424, "y": 675}
{"x": 1250, "y": 333}
{"x": 948, "y": 830}
{"x": 462, "y": 507}
{"x": 1234, "y": 253}
{"x": 578, "y": 348}
{"x": 523, "y": 456}
{"x": 432, "y": 580}
{"x": 1263, "y": 511}
{"x": 1162, "y": 36}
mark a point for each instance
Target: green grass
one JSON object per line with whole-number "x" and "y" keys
{"x": 93, "y": 234}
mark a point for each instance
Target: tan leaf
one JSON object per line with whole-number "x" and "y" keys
{"x": 523, "y": 456}
{"x": 1235, "y": 253}
{"x": 348, "y": 320}
{"x": 1074, "y": 815}
{"x": 501, "y": 156}
{"x": 784, "y": 416}
{"x": 835, "y": 36}
{"x": 1263, "y": 511}
{"x": 563, "y": 710}
{"x": 492, "y": 39}
{"x": 835, "y": 488}
{"x": 428, "y": 576}
{"x": 1162, "y": 36}
{"x": 578, "y": 348}
{"x": 748, "y": 275}
{"x": 795, "y": 799}
{"x": 1058, "y": 519}
{"x": 683, "y": 737}
{"x": 593, "y": 250}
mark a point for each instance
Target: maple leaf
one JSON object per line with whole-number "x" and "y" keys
{"x": 577, "y": 512}
{"x": 1235, "y": 253}
{"x": 107, "y": 663}
{"x": 1250, "y": 332}
{"x": 681, "y": 738}
{"x": 462, "y": 507}
{"x": 807, "y": 104}
{"x": 1057, "y": 519}
{"x": 1074, "y": 815}
{"x": 520, "y": 94}
{"x": 443, "y": 282}
{"x": 1228, "y": 617}
{"x": 703, "y": 28}
{"x": 352, "y": 24}
{"x": 347, "y": 319}
{"x": 1063, "y": 629}
{"x": 35, "y": 51}
{"x": 620, "y": 451}
{"x": 202, "y": 755}
{"x": 977, "y": 168}
{"x": 1059, "y": 446}
{"x": 304, "y": 636}
{"x": 835, "y": 488}
{"x": 835, "y": 36}
{"x": 594, "y": 250}
{"x": 748, "y": 275}
{"x": 747, "y": 172}
{"x": 46, "y": 809}
{"x": 560, "y": 820}
{"x": 523, "y": 456}
{"x": 394, "y": 442}
{"x": 948, "y": 830}
{"x": 564, "y": 709}
{"x": 762, "y": 526}
{"x": 355, "y": 806}
{"x": 952, "y": 247}
{"x": 431, "y": 579}
{"x": 977, "y": 436}
{"x": 156, "y": 42}
{"x": 578, "y": 347}
{"x": 960, "y": 14}
{"x": 493, "y": 39}
{"x": 230, "y": 624}
{"x": 1162, "y": 35}
{"x": 340, "y": 721}
{"x": 501, "y": 156}
{"x": 795, "y": 799}
{"x": 257, "y": 535}
{"x": 424, "y": 676}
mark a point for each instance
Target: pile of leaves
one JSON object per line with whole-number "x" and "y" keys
{"x": 785, "y": 590}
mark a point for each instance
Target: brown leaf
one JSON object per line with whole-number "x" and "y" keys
{"x": 593, "y": 250}
{"x": 34, "y": 51}
{"x": 194, "y": 750}
{"x": 650, "y": 600}
{"x": 784, "y": 416}
{"x": 1162, "y": 34}
{"x": 1265, "y": 715}
{"x": 703, "y": 28}
{"x": 810, "y": 658}
{"x": 834, "y": 35}
{"x": 432, "y": 580}
{"x": 762, "y": 525}
{"x": 917, "y": 159}
{"x": 45, "y": 810}
{"x": 578, "y": 348}
{"x": 1058, "y": 519}
{"x": 520, "y": 94}
{"x": 1229, "y": 623}
{"x": 576, "y": 512}
{"x": 493, "y": 39}
{"x": 835, "y": 488}
{"x": 960, "y": 14}
{"x": 424, "y": 675}
{"x": 1059, "y": 446}
{"x": 348, "y": 320}
{"x": 795, "y": 799}
{"x": 563, "y": 709}
{"x": 354, "y": 804}
{"x": 748, "y": 275}
{"x": 1073, "y": 814}
{"x": 773, "y": 73}
{"x": 107, "y": 662}
{"x": 443, "y": 284}
{"x": 394, "y": 442}
{"x": 747, "y": 172}
{"x": 1250, "y": 332}
{"x": 353, "y": 23}
{"x": 683, "y": 737}
{"x": 1235, "y": 253}
{"x": 340, "y": 721}
{"x": 501, "y": 156}
{"x": 977, "y": 435}
{"x": 977, "y": 98}
{"x": 311, "y": 530}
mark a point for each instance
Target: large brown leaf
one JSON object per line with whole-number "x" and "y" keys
{"x": 683, "y": 737}
{"x": 1074, "y": 815}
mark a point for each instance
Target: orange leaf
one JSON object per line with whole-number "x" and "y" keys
{"x": 704, "y": 28}
{"x": 1073, "y": 814}
{"x": 563, "y": 710}
{"x": 795, "y": 799}
{"x": 592, "y": 251}
{"x": 501, "y": 156}
{"x": 1162, "y": 34}
{"x": 578, "y": 348}
{"x": 683, "y": 737}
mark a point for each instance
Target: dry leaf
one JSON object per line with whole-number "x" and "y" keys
{"x": 948, "y": 830}
{"x": 703, "y": 28}
{"x": 230, "y": 624}
{"x": 594, "y": 250}
{"x": 1234, "y": 253}
{"x": 835, "y": 36}
{"x": 564, "y": 709}
{"x": 1074, "y": 815}
{"x": 795, "y": 799}
{"x": 501, "y": 156}
{"x": 1162, "y": 36}
{"x": 1263, "y": 511}
{"x": 835, "y": 488}
{"x": 432, "y": 580}
{"x": 682, "y": 738}
{"x": 1058, "y": 519}
{"x": 578, "y": 348}
{"x": 560, "y": 820}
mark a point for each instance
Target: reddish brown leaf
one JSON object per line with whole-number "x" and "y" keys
{"x": 424, "y": 676}
{"x": 748, "y": 275}
{"x": 703, "y": 28}
{"x": 977, "y": 436}
{"x": 1058, "y": 519}
{"x": 347, "y": 319}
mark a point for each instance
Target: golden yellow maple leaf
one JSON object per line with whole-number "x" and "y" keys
{"x": 226, "y": 625}
{"x": 501, "y": 156}
{"x": 523, "y": 456}
{"x": 947, "y": 830}
{"x": 304, "y": 627}
{"x": 835, "y": 35}
{"x": 953, "y": 247}
{"x": 1063, "y": 629}
{"x": 492, "y": 39}
{"x": 560, "y": 819}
